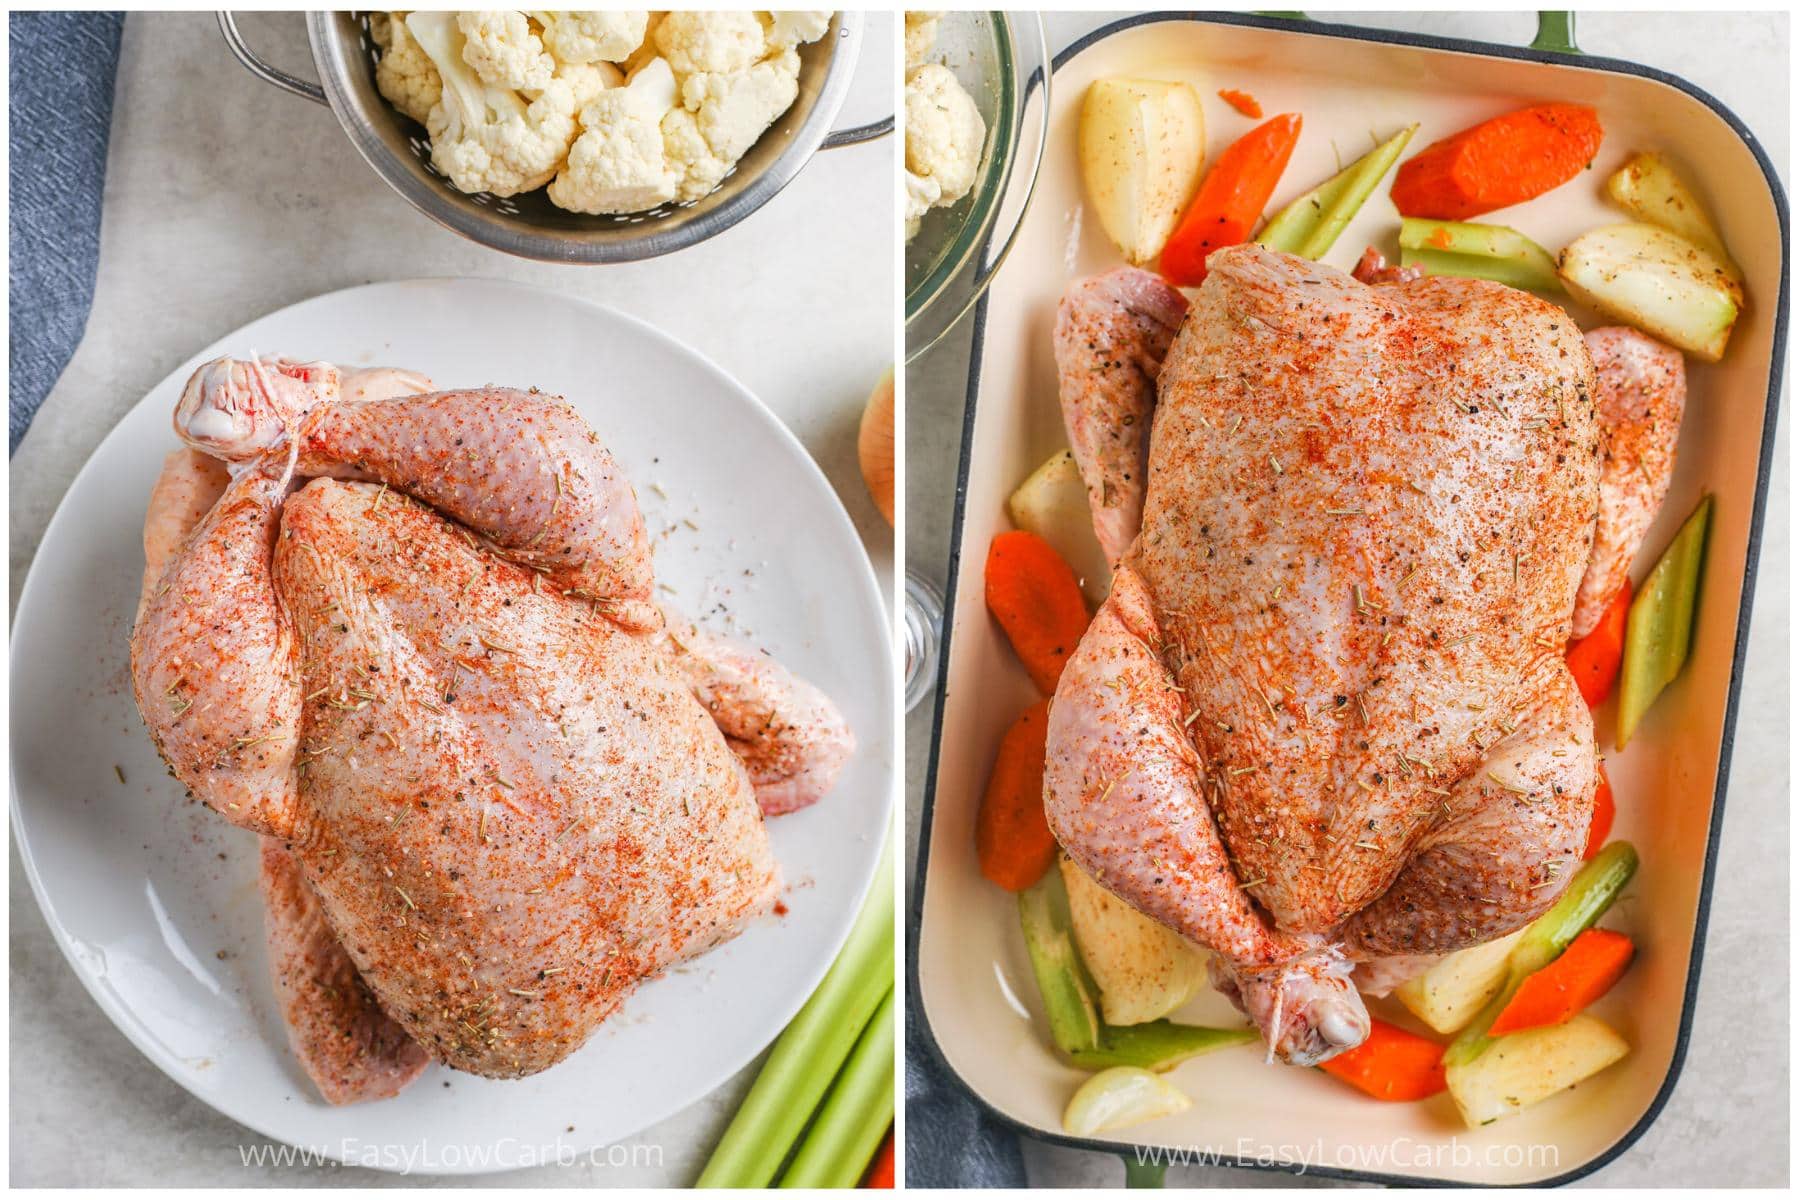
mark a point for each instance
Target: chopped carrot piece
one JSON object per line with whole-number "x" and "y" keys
{"x": 1575, "y": 979}
{"x": 1594, "y": 660}
{"x": 1600, "y": 828}
{"x": 1036, "y": 598}
{"x": 1231, "y": 199}
{"x": 1498, "y": 163}
{"x": 1012, "y": 837}
{"x": 1391, "y": 1064}
{"x": 881, "y": 1171}
{"x": 1244, "y": 102}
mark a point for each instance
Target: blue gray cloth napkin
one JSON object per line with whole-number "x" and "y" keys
{"x": 63, "y": 65}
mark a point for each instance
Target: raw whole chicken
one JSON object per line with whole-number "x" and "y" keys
{"x": 408, "y": 638}
{"x": 1323, "y": 718}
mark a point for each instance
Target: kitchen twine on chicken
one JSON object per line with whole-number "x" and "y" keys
{"x": 427, "y": 1156}
{"x": 1396, "y": 1154}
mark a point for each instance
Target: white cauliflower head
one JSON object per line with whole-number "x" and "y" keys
{"x": 727, "y": 112}
{"x": 618, "y": 164}
{"x": 588, "y": 80}
{"x": 588, "y": 37}
{"x": 503, "y": 50}
{"x": 944, "y": 131}
{"x": 697, "y": 169}
{"x": 708, "y": 42}
{"x": 922, "y": 195}
{"x": 486, "y": 138}
{"x": 788, "y": 29}
{"x": 921, "y": 35}
{"x": 404, "y": 75}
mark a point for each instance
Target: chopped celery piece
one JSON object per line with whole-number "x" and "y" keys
{"x": 1157, "y": 1045}
{"x": 1589, "y": 894}
{"x": 1660, "y": 625}
{"x": 1310, "y": 225}
{"x": 1062, "y": 980}
{"x": 1477, "y": 251}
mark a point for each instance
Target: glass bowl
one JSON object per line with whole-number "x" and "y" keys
{"x": 1003, "y": 60}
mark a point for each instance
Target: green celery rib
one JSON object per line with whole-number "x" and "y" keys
{"x": 1062, "y": 980}
{"x": 1311, "y": 224}
{"x": 849, "y": 1128}
{"x": 1477, "y": 251}
{"x": 1156, "y": 1045}
{"x": 810, "y": 1050}
{"x": 1588, "y": 895}
{"x": 1660, "y": 625}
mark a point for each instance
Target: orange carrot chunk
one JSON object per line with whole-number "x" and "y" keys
{"x": 1231, "y": 199}
{"x": 1036, "y": 598}
{"x": 1498, "y": 163}
{"x": 1575, "y": 979}
{"x": 1594, "y": 660}
{"x": 1012, "y": 838}
{"x": 1604, "y": 810}
{"x": 1392, "y": 1064}
{"x": 1244, "y": 102}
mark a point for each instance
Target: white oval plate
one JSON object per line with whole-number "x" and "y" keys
{"x": 154, "y": 899}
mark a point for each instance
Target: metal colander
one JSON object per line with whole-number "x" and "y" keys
{"x": 529, "y": 225}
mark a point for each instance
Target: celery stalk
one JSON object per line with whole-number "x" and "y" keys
{"x": 1156, "y": 1045}
{"x": 1062, "y": 981}
{"x": 1589, "y": 894}
{"x": 1660, "y": 625}
{"x": 1477, "y": 251}
{"x": 810, "y": 1050}
{"x": 1069, "y": 997}
{"x": 1310, "y": 225}
{"x": 856, "y": 1115}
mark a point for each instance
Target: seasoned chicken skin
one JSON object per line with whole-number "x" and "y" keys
{"x": 1323, "y": 716}
{"x": 433, "y": 677}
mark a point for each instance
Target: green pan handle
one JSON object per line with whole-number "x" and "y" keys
{"x": 1140, "y": 1174}
{"x": 1556, "y": 32}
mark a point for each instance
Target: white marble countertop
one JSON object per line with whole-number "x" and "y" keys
{"x": 225, "y": 200}
{"x": 1726, "y": 1125}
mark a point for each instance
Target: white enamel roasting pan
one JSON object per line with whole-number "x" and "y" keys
{"x": 974, "y": 991}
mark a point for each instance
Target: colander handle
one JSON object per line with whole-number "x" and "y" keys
{"x": 264, "y": 71}
{"x": 857, "y": 134}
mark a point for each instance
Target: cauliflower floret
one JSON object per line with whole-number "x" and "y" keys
{"x": 588, "y": 80}
{"x": 710, "y": 42}
{"x": 587, "y": 37}
{"x": 734, "y": 109}
{"x": 503, "y": 51}
{"x": 404, "y": 75}
{"x": 618, "y": 164}
{"x": 486, "y": 138}
{"x": 727, "y": 111}
{"x": 789, "y": 29}
{"x": 697, "y": 168}
{"x": 922, "y": 195}
{"x": 944, "y": 131}
{"x": 921, "y": 35}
